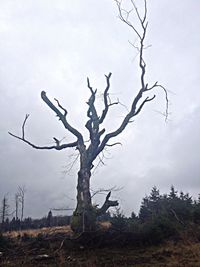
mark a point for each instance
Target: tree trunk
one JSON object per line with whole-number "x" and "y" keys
{"x": 84, "y": 216}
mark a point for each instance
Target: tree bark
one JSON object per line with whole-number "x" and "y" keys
{"x": 84, "y": 216}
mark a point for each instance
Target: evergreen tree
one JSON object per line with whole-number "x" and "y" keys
{"x": 173, "y": 193}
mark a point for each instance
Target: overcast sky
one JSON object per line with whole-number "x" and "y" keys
{"x": 53, "y": 45}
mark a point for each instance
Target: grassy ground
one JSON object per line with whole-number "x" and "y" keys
{"x": 36, "y": 232}
{"x": 50, "y": 249}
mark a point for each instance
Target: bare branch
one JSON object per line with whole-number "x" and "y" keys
{"x": 105, "y": 96}
{"x": 57, "y": 146}
{"x": 57, "y": 141}
{"x": 152, "y": 87}
{"x": 114, "y": 103}
{"x": 142, "y": 21}
{"x": 145, "y": 10}
{"x": 60, "y": 147}
{"x": 107, "y": 204}
{"x": 167, "y": 100}
{"x": 70, "y": 166}
{"x": 23, "y": 128}
{"x": 125, "y": 20}
{"x": 166, "y": 96}
{"x": 136, "y": 47}
{"x": 123, "y": 105}
{"x": 114, "y": 144}
{"x": 102, "y": 131}
{"x": 103, "y": 190}
{"x": 59, "y": 105}
{"x": 62, "y": 117}
{"x": 101, "y": 160}
{"x": 93, "y": 123}
{"x": 89, "y": 86}
{"x": 23, "y": 125}
{"x": 135, "y": 110}
{"x": 141, "y": 106}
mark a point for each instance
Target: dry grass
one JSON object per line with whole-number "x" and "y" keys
{"x": 105, "y": 225}
{"x": 36, "y": 232}
{"x": 50, "y": 230}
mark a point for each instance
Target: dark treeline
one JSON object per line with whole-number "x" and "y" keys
{"x": 161, "y": 216}
{"x": 176, "y": 207}
{"x": 29, "y": 223}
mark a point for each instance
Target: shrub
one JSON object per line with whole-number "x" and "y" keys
{"x": 3, "y": 241}
{"x": 119, "y": 222}
{"x": 158, "y": 230}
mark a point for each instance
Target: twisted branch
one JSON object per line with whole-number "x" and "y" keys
{"x": 58, "y": 146}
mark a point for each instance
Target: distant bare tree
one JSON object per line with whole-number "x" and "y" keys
{"x": 16, "y": 205}
{"x": 4, "y": 212}
{"x": 21, "y": 199}
{"x": 85, "y": 214}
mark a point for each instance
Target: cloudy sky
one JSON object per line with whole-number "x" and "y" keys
{"x": 53, "y": 46}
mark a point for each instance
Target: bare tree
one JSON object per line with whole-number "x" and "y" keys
{"x": 21, "y": 199}
{"x": 85, "y": 214}
{"x": 4, "y": 212}
{"x": 16, "y": 205}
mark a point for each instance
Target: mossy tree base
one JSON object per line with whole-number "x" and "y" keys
{"x": 85, "y": 219}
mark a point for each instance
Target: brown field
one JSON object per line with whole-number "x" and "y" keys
{"x": 46, "y": 247}
{"x": 43, "y": 231}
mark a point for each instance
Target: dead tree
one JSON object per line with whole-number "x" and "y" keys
{"x": 84, "y": 216}
{"x": 21, "y": 199}
{"x": 4, "y": 211}
{"x": 16, "y": 205}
